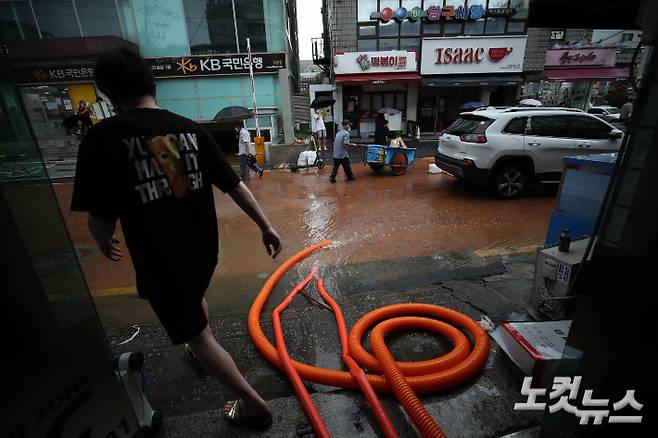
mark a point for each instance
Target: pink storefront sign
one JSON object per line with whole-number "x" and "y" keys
{"x": 595, "y": 57}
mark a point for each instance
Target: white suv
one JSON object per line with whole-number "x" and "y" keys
{"x": 508, "y": 148}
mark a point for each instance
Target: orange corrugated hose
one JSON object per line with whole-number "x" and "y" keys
{"x": 447, "y": 371}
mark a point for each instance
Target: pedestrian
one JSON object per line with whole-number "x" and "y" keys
{"x": 626, "y": 110}
{"x": 246, "y": 158}
{"x": 154, "y": 171}
{"x": 381, "y": 129}
{"x": 341, "y": 156}
{"x": 320, "y": 130}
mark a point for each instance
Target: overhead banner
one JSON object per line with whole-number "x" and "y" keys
{"x": 473, "y": 55}
{"x": 216, "y": 65}
{"x": 391, "y": 61}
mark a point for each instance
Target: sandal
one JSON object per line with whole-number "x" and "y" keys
{"x": 260, "y": 422}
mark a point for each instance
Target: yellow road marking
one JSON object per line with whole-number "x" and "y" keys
{"x": 128, "y": 290}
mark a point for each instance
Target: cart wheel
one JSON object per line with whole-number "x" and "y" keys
{"x": 399, "y": 164}
{"x": 294, "y": 168}
{"x": 320, "y": 164}
{"x": 376, "y": 166}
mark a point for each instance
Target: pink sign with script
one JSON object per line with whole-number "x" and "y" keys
{"x": 603, "y": 57}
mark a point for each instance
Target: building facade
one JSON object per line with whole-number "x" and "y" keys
{"x": 197, "y": 49}
{"x": 424, "y": 58}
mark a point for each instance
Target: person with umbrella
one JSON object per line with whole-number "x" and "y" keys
{"x": 320, "y": 130}
{"x": 381, "y": 129}
{"x": 246, "y": 159}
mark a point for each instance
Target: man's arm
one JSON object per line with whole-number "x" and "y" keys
{"x": 243, "y": 197}
{"x": 103, "y": 233}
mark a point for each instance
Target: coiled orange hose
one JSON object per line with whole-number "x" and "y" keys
{"x": 461, "y": 364}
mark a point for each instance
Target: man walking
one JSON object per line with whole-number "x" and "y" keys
{"x": 246, "y": 159}
{"x": 154, "y": 171}
{"x": 341, "y": 156}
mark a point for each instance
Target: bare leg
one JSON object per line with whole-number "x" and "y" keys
{"x": 220, "y": 365}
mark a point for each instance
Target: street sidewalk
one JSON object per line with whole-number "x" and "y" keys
{"x": 497, "y": 286}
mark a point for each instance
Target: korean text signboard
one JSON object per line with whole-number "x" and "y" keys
{"x": 53, "y": 73}
{"x": 393, "y": 61}
{"x": 594, "y": 57}
{"x": 473, "y": 55}
{"x": 216, "y": 65}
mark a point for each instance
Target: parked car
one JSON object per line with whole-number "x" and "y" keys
{"x": 607, "y": 113}
{"x": 508, "y": 148}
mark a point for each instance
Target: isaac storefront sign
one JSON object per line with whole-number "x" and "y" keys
{"x": 473, "y": 55}
{"x": 595, "y": 57}
{"x": 392, "y": 61}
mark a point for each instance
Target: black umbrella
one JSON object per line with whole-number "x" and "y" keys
{"x": 322, "y": 102}
{"x": 231, "y": 114}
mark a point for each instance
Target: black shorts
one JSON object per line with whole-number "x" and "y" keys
{"x": 180, "y": 313}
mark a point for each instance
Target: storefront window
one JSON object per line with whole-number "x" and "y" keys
{"x": 99, "y": 17}
{"x": 56, "y": 18}
{"x": 367, "y": 45}
{"x": 521, "y": 7}
{"x": 410, "y": 44}
{"x": 367, "y": 30}
{"x": 377, "y": 101}
{"x": 388, "y": 44}
{"x": 388, "y": 29}
{"x": 366, "y": 7}
{"x": 475, "y": 27}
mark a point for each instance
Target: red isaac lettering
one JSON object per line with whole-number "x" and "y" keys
{"x": 459, "y": 55}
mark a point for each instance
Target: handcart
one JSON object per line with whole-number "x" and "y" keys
{"x": 398, "y": 159}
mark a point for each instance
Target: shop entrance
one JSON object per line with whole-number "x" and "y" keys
{"x": 47, "y": 106}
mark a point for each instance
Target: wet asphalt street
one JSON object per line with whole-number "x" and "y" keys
{"x": 419, "y": 237}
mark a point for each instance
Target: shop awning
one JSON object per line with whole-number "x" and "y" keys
{"x": 586, "y": 74}
{"x": 471, "y": 80}
{"x": 376, "y": 78}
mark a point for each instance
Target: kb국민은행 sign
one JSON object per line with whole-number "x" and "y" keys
{"x": 217, "y": 65}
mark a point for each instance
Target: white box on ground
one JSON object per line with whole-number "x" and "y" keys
{"x": 533, "y": 345}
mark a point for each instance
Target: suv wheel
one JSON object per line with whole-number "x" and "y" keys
{"x": 510, "y": 181}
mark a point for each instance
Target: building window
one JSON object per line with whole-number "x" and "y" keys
{"x": 521, "y": 7}
{"x": 626, "y": 37}
{"x": 17, "y": 22}
{"x": 251, "y": 23}
{"x": 365, "y": 8}
{"x": 56, "y": 18}
{"x": 367, "y": 30}
{"x": 475, "y": 27}
{"x": 388, "y": 44}
{"x": 410, "y": 44}
{"x": 495, "y": 25}
{"x": 516, "y": 26}
{"x": 388, "y": 29}
{"x": 98, "y": 17}
{"x": 367, "y": 45}
{"x": 211, "y": 28}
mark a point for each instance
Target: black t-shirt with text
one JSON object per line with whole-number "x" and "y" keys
{"x": 154, "y": 171}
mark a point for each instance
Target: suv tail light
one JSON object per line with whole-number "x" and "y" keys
{"x": 473, "y": 138}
